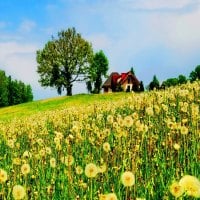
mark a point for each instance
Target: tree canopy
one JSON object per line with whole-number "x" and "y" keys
{"x": 195, "y": 74}
{"x": 64, "y": 60}
{"x": 98, "y": 69}
{"x": 154, "y": 83}
{"x": 13, "y": 92}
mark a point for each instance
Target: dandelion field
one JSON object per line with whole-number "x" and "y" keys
{"x": 138, "y": 146}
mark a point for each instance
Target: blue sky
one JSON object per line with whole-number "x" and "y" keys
{"x": 154, "y": 36}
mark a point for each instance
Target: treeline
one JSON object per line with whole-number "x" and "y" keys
{"x": 13, "y": 92}
{"x": 181, "y": 79}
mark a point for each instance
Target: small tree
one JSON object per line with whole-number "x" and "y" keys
{"x": 64, "y": 60}
{"x": 141, "y": 86}
{"x": 132, "y": 71}
{"x": 98, "y": 69}
{"x": 154, "y": 83}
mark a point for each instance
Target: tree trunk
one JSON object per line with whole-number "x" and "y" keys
{"x": 69, "y": 90}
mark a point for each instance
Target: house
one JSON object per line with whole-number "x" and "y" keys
{"x": 121, "y": 82}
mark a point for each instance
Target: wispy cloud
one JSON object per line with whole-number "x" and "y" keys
{"x": 27, "y": 25}
{"x": 18, "y": 60}
{"x": 2, "y": 24}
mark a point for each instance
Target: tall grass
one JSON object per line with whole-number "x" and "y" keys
{"x": 154, "y": 136}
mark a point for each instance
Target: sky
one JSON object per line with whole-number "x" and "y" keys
{"x": 155, "y": 37}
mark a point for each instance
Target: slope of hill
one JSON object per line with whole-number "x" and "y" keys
{"x": 27, "y": 109}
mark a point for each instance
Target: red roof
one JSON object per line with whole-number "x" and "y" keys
{"x": 115, "y": 78}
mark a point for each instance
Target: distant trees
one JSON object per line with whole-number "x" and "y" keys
{"x": 195, "y": 74}
{"x": 3, "y": 89}
{"x": 64, "y": 60}
{"x": 181, "y": 79}
{"x": 13, "y": 92}
{"x": 98, "y": 69}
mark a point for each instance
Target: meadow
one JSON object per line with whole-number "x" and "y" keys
{"x": 125, "y": 146}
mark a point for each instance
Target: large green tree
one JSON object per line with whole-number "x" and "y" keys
{"x": 99, "y": 69}
{"x": 64, "y": 60}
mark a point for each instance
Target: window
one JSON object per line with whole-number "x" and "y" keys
{"x": 129, "y": 80}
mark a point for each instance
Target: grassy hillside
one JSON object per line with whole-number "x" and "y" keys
{"x": 103, "y": 147}
{"x": 27, "y": 109}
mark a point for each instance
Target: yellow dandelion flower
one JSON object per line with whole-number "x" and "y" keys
{"x": 11, "y": 143}
{"x": 128, "y": 179}
{"x": 176, "y": 189}
{"x": 91, "y": 170}
{"x": 53, "y": 162}
{"x": 149, "y": 111}
{"x": 48, "y": 150}
{"x": 157, "y": 109}
{"x": 102, "y": 197}
{"x": 57, "y": 140}
{"x": 191, "y": 185}
{"x": 111, "y": 196}
{"x": 79, "y": 170}
{"x": 26, "y": 154}
{"x": 18, "y": 192}
{"x": 25, "y": 169}
{"x": 128, "y": 121}
{"x": 106, "y": 147}
{"x": 50, "y": 189}
{"x": 59, "y": 135}
{"x": 16, "y": 161}
{"x": 42, "y": 153}
{"x": 102, "y": 168}
{"x": 3, "y": 176}
{"x": 184, "y": 130}
{"x": 176, "y": 146}
{"x": 110, "y": 119}
{"x": 40, "y": 141}
{"x": 67, "y": 160}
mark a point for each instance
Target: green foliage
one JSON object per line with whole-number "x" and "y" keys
{"x": 141, "y": 86}
{"x": 171, "y": 82}
{"x": 13, "y": 92}
{"x": 154, "y": 83}
{"x": 194, "y": 75}
{"x": 64, "y": 60}
{"x": 132, "y": 70}
{"x": 182, "y": 79}
{"x": 99, "y": 68}
{"x": 3, "y": 89}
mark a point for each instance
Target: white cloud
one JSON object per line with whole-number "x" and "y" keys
{"x": 100, "y": 41}
{"x": 159, "y": 4}
{"x": 179, "y": 32}
{"x": 18, "y": 60}
{"x": 27, "y": 25}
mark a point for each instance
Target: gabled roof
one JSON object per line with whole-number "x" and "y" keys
{"x": 108, "y": 82}
{"x": 124, "y": 77}
{"x": 115, "y": 78}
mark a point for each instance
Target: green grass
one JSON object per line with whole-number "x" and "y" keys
{"x": 27, "y": 109}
